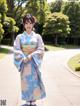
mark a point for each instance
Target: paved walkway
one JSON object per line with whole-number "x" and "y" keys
{"x": 62, "y": 87}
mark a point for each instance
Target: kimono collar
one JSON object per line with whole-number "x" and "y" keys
{"x": 28, "y": 34}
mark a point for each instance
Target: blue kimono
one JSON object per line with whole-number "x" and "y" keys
{"x": 31, "y": 83}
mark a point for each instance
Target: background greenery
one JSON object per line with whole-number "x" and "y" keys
{"x": 58, "y": 22}
{"x": 3, "y": 52}
{"x": 74, "y": 63}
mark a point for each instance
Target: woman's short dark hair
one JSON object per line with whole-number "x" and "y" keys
{"x": 29, "y": 18}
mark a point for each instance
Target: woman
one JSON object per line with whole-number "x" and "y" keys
{"x": 28, "y": 54}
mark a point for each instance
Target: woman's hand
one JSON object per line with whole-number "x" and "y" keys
{"x": 29, "y": 57}
{"x": 25, "y": 60}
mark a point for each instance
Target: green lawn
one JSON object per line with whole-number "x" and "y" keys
{"x": 59, "y": 47}
{"x": 74, "y": 63}
{"x": 3, "y": 52}
{"x": 53, "y": 48}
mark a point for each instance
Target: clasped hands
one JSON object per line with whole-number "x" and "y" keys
{"x": 26, "y": 59}
{"x": 28, "y": 51}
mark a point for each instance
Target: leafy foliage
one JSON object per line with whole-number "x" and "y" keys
{"x": 57, "y": 24}
{"x": 3, "y": 6}
{"x": 1, "y": 32}
{"x": 56, "y": 6}
{"x": 10, "y": 23}
{"x": 6, "y": 21}
{"x": 72, "y": 10}
{"x": 3, "y": 10}
{"x": 40, "y": 8}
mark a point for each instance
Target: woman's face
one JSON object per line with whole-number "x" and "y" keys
{"x": 28, "y": 26}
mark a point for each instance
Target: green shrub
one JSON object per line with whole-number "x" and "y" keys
{"x": 77, "y": 69}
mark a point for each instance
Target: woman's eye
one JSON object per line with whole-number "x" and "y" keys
{"x": 26, "y": 23}
{"x": 30, "y": 23}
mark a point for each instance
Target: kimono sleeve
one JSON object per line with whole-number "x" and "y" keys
{"x": 38, "y": 54}
{"x": 18, "y": 54}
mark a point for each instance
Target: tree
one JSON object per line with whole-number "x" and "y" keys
{"x": 56, "y": 6}
{"x": 40, "y": 9}
{"x": 57, "y": 25}
{"x": 10, "y": 27}
{"x": 16, "y": 9}
{"x": 3, "y": 10}
{"x": 72, "y": 10}
{"x": 7, "y": 23}
{"x": 1, "y": 32}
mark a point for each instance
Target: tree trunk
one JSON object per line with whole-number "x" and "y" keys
{"x": 12, "y": 38}
{"x": 56, "y": 40}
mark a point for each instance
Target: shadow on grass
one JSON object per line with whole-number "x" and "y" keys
{"x": 51, "y": 46}
{"x": 68, "y": 46}
{"x": 4, "y": 50}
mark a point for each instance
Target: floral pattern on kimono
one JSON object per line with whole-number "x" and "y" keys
{"x": 31, "y": 82}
